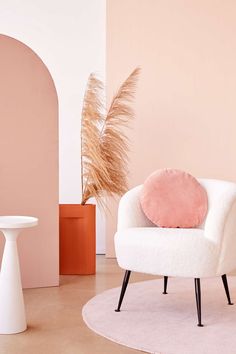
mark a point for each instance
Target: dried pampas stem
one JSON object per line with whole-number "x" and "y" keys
{"x": 114, "y": 142}
{"x": 93, "y": 168}
{"x": 104, "y": 145}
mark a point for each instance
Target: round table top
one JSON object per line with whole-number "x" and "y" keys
{"x": 14, "y": 222}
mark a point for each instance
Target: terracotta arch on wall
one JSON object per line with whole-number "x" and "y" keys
{"x": 29, "y": 158}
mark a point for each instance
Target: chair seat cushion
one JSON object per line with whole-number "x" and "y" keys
{"x": 166, "y": 251}
{"x": 173, "y": 198}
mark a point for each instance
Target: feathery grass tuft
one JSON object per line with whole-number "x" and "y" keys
{"x": 104, "y": 144}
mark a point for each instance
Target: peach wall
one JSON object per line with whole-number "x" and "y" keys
{"x": 186, "y": 100}
{"x": 29, "y": 158}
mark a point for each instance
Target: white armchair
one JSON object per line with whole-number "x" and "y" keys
{"x": 206, "y": 251}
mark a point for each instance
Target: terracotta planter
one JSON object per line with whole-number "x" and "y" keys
{"x": 77, "y": 239}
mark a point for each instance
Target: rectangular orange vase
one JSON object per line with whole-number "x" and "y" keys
{"x": 77, "y": 239}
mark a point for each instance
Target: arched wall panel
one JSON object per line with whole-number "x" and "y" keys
{"x": 29, "y": 158}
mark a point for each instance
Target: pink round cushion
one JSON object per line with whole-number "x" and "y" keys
{"x": 173, "y": 198}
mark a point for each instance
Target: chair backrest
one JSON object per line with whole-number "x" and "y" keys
{"x": 219, "y": 194}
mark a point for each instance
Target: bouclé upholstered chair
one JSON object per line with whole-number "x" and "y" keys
{"x": 206, "y": 251}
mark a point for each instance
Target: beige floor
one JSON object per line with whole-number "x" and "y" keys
{"x": 55, "y": 325}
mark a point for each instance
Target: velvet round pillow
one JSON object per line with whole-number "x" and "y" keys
{"x": 174, "y": 198}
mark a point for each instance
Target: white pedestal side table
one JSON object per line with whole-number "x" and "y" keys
{"x": 12, "y": 309}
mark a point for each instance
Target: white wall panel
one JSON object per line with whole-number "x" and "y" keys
{"x": 69, "y": 36}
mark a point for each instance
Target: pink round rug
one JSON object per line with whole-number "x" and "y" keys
{"x": 167, "y": 324}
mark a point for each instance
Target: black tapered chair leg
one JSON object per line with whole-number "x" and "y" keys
{"x": 165, "y": 285}
{"x": 198, "y": 301}
{"x": 225, "y": 282}
{"x": 123, "y": 289}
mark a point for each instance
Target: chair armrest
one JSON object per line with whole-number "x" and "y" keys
{"x": 227, "y": 256}
{"x": 221, "y": 201}
{"x": 130, "y": 213}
